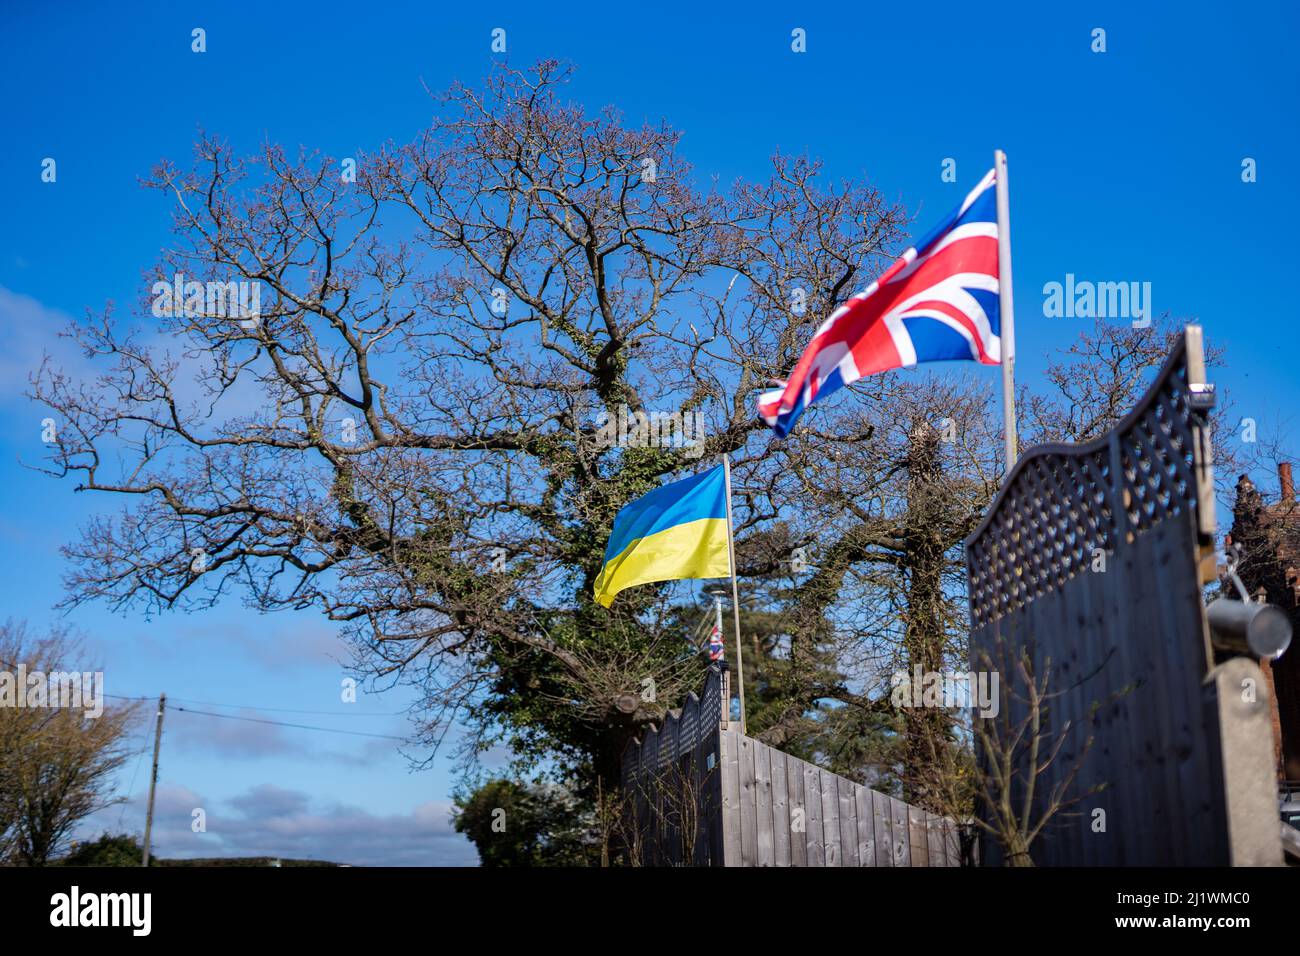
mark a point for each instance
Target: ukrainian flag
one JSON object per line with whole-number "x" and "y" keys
{"x": 677, "y": 531}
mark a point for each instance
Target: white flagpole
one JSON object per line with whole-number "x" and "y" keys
{"x": 735, "y": 596}
{"x": 1006, "y": 308}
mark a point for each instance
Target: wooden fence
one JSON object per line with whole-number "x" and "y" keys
{"x": 1089, "y": 562}
{"x": 673, "y": 785}
{"x": 703, "y": 794}
{"x": 782, "y": 811}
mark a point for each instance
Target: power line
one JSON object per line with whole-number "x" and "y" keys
{"x": 278, "y": 723}
{"x": 287, "y": 710}
{"x": 269, "y": 710}
{"x": 210, "y": 703}
{"x": 131, "y": 788}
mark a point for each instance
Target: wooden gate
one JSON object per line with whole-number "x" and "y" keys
{"x": 1090, "y": 562}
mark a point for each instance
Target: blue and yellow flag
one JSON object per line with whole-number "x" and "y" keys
{"x": 677, "y": 531}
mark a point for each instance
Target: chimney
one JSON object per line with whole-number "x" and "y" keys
{"x": 1288, "y": 485}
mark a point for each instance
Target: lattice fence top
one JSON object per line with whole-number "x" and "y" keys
{"x": 681, "y": 732}
{"x": 1063, "y": 504}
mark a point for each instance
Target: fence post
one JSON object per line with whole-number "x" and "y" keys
{"x": 1237, "y": 691}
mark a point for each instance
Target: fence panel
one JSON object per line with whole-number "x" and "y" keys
{"x": 708, "y": 796}
{"x": 1087, "y": 564}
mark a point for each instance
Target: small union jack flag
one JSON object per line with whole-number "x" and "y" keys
{"x": 938, "y": 301}
{"x": 715, "y": 644}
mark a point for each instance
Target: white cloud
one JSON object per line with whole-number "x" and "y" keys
{"x": 31, "y": 330}
{"x": 267, "y": 820}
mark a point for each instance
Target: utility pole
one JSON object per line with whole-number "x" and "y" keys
{"x": 153, "y": 781}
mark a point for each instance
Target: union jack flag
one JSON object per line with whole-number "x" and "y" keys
{"x": 938, "y": 301}
{"x": 715, "y": 644}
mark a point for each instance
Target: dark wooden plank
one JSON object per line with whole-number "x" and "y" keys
{"x": 1157, "y": 799}
{"x": 1088, "y": 623}
{"x": 1039, "y": 622}
{"x": 1121, "y": 742}
{"x": 649, "y": 806}
{"x": 697, "y": 835}
{"x": 1161, "y": 634}
{"x": 675, "y": 793}
{"x": 1064, "y": 713}
{"x": 634, "y": 815}
{"x": 1185, "y": 662}
{"x": 712, "y": 746}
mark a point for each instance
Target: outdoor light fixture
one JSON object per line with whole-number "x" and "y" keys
{"x": 1260, "y": 629}
{"x": 1247, "y": 626}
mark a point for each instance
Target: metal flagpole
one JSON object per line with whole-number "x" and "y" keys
{"x": 735, "y": 596}
{"x": 717, "y": 607}
{"x": 1006, "y": 309}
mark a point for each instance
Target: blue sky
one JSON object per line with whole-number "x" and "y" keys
{"x": 1125, "y": 166}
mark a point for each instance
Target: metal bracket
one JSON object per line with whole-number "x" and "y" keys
{"x": 1232, "y": 556}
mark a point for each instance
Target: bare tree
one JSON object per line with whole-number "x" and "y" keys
{"x": 997, "y": 787}
{"x": 56, "y": 763}
{"x": 1098, "y": 379}
{"x": 407, "y": 436}
{"x": 881, "y": 521}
